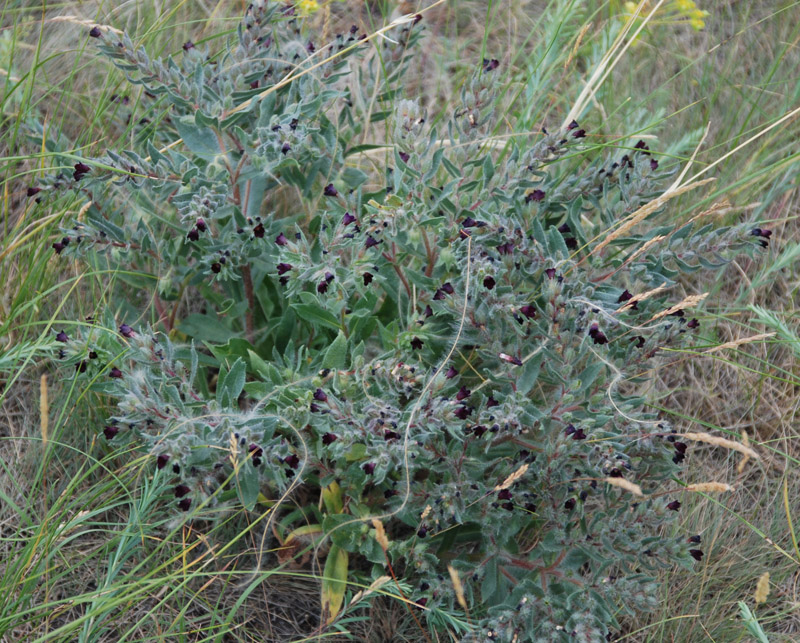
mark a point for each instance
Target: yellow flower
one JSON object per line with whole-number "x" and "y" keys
{"x": 307, "y": 7}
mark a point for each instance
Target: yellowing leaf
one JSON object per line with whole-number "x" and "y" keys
{"x": 334, "y": 582}
{"x": 332, "y": 497}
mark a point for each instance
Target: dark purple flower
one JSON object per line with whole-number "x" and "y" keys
{"x": 200, "y": 224}
{"x": 597, "y": 335}
{"x": 184, "y": 504}
{"x": 564, "y": 228}
{"x": 446, "y": 287}
{"x": 491, "y": 402}
{"x": 115, "y": 372}
{"x": 529, "y": 310}
{"x": 371, "y": 242}
{"x": 33, "y": 191}
{"x": 579, "y": 434}
{"x": 421, "y": 533}
{"x": 110, "y": 431}
{"x": 281, "y": 239}
{"x": 639, "y": 341}
{"x": 674, "y": 505}
{"x": 259, "y": 231}
{"x": 438, "y": 295}
{"x": 329, "y": 438}
{"x": 416, "y": 343}
{"x": 463, "y": 393}
{"x": 216, "y": 267}
{"x": 369, "y": 468}
{"x": 391, "y": 435}
{"x": 126, "y": 331}
{"x": 161, "y": 460}
{"x": 330, "y": 190}
{"x": 680, "y": 447}
{"x": 428, "y": 312}
{"x": 404, "y": 156}
{"x": 693, "y": 323}
{"x": 469, "y": 222}
{"x": 367, "y": 277}
{"x": 641, "y": 145}
{"x": 488, "y": 282}
{"x": 322, "y": 287}
{"x": 256, "y": 450}
{"x": 550, "y": 272}
{"x": 292, "y": 460}
{"x": 579, "y": 134}
{"x": 479, "y": 430}
{"x": 81, "y": 169}
{"x": 697, "y": 554}
{"x": 286, "y": 148}
{"x": 573, "y": 125}
{"x": 516, "y": 361}
{"x": 193, "y": 235}
{"x": 761, "y": 232}
{"x": 62, "y": 337}
{"x": 490, "y": 65}
{"x": 254, "y": 85}
{"x": 451, "y": 373}
{"x": 695, "y": 539}
{"x": 570, "y": 429}
{"x": 536, "y": 195}
{"x": 313, "y": 408}
{"x": 95, "y": 32}
{"x": 348, "y": 218}
{"x": 320, "y": 396}
{"x": 506, "y": 248}
{"x": 625, "y": 296}
{"x": 653, "y": 165}
{"x": 176, "y": 468}
{"x": 508, "y": 506}
{"x": 329, "y": 277}
{"x": 188, "y": 45}
{"x": 283, "y": 268}
{"x": 181, "y": 490}
{"x": 569, "y": 505}
{"x": 504, "y": 494}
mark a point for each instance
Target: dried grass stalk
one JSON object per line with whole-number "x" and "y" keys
{"x": 458, "y": 587}
{"x": 622, "y": 483}
{"x": 426, "y": 512}
{"x": 380, "y": 534}
{"x": 709, "y": 487}
{"x": 690, "y": 302}
{"x": 645, "y": 295}
{"x": 512, "y": 478}
{"x": 762, "y": 588}
{"x": 722, "y": 442}
{"x": 376, "y": 584}
{"x": 739, "y": 342}
{"x": 746, "y": 442}
{"x": 644, "y": 248}
{"x": 44, "y": 410}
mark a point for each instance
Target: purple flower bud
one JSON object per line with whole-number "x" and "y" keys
{"x": 188, "y": 45}
{"x": 697, "y": 554}
{"x": 516, "y": 361}
{"x": 256, "y": 450}
{"x": 448, "y": 288}
{"x": 680, "y": 447}
{"x": 451, "y": 373}
{"x": 320, "y": 396}
{"x": 693, "y": 323}
{"x": 674, "y": 505}
{"x": 488, "y": 282}
{"x": 550, "y": 272}
{"x": 322, "y": 287}
{"x": 508, "y": 506}
{"x": 417, "y": 343}
{"x": 348, "y": 218}
{"x": 569, "y": 505}
{"x": 438, "y": 295}
{"x": 469, "y": 222}
{"x": 126, "y": 331}
{"x": 506, "y": 248}
{"x": 216, "y": 267}
{"x": 421, "y": 533}
{"x": 181, "y": 490}
{"x": 200, "y": 224}
{"x": 176, "y": 468}
{"x": 193, "y": 235}
{"x": 283, "y": 268}
{"x": 529, "y": 310}
{"x": 95, "y": 32}
{"x": 579, "y": 435}
{"x": 329, "y": 438}
{"x": 463, "y": 393}
{"x": 641, "y": 145}
{"x": 639, "y": 341}
{"x": 367, "y": 277}
{"x": 254, "y": 85}
{"x": 115, "y": 372}
{"x": 428, "y": 312}
{"x": 579, "y": 134}
{"x": 286, "y": 148}
{"x": 695, "y": 539}
{"x": 490, "y": 65}
{"x": 573, "y": 125}
{"x": 491, "y": 402}
{"x": 653, "y": 165}
{"x": 404, "y": 156}
{"x": 281, "y": 239}
{"x": 329, "y": 277}
{"x": 564, "y": 228}
{"x": 369, "y": 468}
{"x": 184, "y": 504}
{"x": 33, "y": 191}
{"x": 62, "y": 337}
{"x": 161, "y": 460}
{"x": 462, "y": 412}
{"x": 371, "y": 242}
{"x": 625, "y": 296}
{"x": 570, "y": 429}
{"x": 761, "y": 232}
{"x": 313, "y": 408}
{"x": 292, "y": 460}
{"x": 80, "y": 170}
{"x": 479, "y": 430}
{"x": 600, "y": 339}
{"x": 259, "y": 231}
{"x": 504, "y": 494}
{"x": 330, "y": 190}
{"x": 353, "y": 30}
{"x": 110, "y": 431}
{"x": 536, "y": 195}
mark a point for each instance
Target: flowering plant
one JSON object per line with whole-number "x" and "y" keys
{"x": 443, "y": 341}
